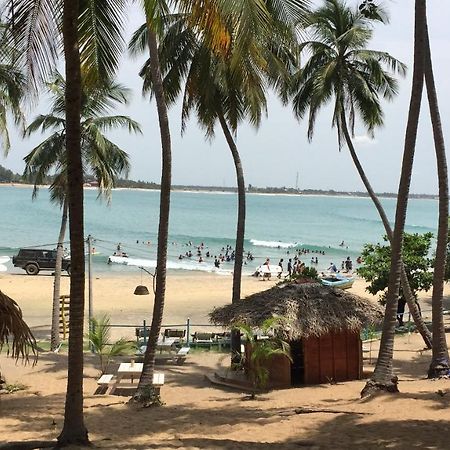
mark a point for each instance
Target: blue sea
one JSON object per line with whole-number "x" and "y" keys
{"x": 276, "y": 226}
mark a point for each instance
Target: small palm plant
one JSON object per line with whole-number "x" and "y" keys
{"x": 100, "y": 341}
{"x": 261, "y": 351}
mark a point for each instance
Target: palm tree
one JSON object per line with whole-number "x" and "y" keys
{"x": 217, "y": 92}
{"x": 340, "y": 65}
{"x": 39, "y": 28}
{"x": 74, "y": 430}
{"x": 383, "y": 377}
{"x": 440, "y": 365}
{"x": 100, "y": 156}
{"x": 154, "y": 11}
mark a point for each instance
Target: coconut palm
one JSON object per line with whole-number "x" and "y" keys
{"x": 89, "y": 32}
{"x": 101, "y": 157}
{"x": 383, "y": 378}
{"x": 218, "y": 93}
{"x": 440, "y": 364}
{"x": 340, "y": 65}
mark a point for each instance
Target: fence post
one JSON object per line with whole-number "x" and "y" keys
{"x": 92, "y": 328}
{"x": 188, "y": 322}
{"x": 145, "y": 334}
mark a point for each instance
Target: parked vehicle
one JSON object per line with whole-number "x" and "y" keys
{"x": 33, "y": 260}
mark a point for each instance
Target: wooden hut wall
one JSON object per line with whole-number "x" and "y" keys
{"x": 336, "y": 356}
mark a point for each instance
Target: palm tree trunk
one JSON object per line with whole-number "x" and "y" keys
{"x": 383, "y": 377}
{"x": 144, "y": 393}
{"x": 74, "y": 430}
{"x": 240, "y": 235}
{"x": 440, "y": 360}
{"x": 409, "y": 296}
{"x": 54, "y": 339}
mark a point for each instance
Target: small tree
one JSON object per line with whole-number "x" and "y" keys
{"x": 100, "y": 339}
{"x": 261, "y": 351}
{"x": 377, "y": 260}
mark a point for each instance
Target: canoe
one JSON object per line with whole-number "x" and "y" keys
{"x": 338, "y": 281}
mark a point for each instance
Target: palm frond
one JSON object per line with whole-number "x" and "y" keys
{"x": 100, "y": 36}
{"x": 14, "y": 332}
{"x": 34, "y": 26}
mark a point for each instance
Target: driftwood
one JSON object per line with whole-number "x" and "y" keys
{"x": 303, "y": 410}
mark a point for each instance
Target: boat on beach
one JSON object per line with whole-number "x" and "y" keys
{"x": 337, "y": 280}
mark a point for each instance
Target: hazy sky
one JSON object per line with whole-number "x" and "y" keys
{"x": 273, "y": 154}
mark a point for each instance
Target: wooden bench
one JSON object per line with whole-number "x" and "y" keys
{"x": 105, "y": 382}
{"x": 105, "y": 379}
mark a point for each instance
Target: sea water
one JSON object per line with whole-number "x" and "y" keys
{"x": 276, "y": 226}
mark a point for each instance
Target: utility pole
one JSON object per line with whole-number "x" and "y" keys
{"x": 90, "y": 314}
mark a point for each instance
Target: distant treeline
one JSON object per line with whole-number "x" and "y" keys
{"x": 7, "y": 176}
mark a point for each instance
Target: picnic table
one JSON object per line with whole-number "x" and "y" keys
{"x": 130, "y": 371}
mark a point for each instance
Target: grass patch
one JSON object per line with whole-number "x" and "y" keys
{"x": 14, "y": 387}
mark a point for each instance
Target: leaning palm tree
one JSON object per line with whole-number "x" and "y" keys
{"x": 440, "y": 364}
{"x": 101, "y": 157}
{"x": 341, "y": 66}
{"x": 383, "y": 377}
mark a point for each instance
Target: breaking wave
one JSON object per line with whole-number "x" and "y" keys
{"x": 274, "y": 244}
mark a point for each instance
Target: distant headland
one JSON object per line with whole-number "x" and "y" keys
{"x": 8, "y": 177}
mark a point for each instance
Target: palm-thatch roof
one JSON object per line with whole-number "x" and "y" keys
{"x": 14, "y": 332}
{"x": 309, "y": 309}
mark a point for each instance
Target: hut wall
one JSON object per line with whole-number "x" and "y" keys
{"x": 336, "y": 356}
{"x": 279, "y": 371}
{"x": 279, "y": 368}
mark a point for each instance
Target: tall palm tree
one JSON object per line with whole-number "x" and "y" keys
{"x": 383, "y": 377}
{"x": 100, "y": 156}
{"x": 154, "y": 11}
{"x": 440, "y": 364}
{"x": 74, "y": 430}
{"x": 39, "y": 28}
{"x": 341, "y": 66}
{"x": 218, "y": 93}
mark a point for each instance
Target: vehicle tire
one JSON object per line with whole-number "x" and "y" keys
{"x": 68, "y": 270}
{"x": 31, "y": 269}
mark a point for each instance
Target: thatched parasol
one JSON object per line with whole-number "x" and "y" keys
{"x": 14, "y": 332}
{"x": 309, "y": 309}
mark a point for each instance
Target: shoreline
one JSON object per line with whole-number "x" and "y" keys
{"x": 393, "y": 196}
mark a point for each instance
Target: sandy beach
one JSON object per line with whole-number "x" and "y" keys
{"x": 198, "y": 415}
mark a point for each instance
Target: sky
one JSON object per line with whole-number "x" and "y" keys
{"x": 275, "y": 153}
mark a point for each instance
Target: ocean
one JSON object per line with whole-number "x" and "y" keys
{"x": 276, "y": 226}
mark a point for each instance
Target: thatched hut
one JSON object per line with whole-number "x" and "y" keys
{"x": 323, "y": 330}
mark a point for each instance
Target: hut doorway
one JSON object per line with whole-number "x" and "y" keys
{"x": 298, "y": 363}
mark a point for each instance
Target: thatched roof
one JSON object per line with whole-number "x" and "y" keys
{"x": 14, "y": 332}
{"x": 309, "y": 309}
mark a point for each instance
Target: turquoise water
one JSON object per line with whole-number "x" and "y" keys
{"x": 275, "y": 225}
